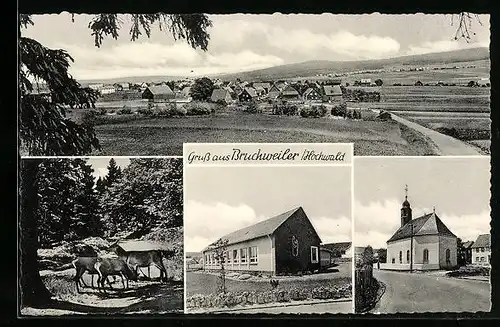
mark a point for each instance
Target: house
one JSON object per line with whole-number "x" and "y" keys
{"x": 423, "y": 243}
{"x": 481, "y": 250}
{"x": 248, "y": 94}
{"x": 186, "y": 92}
{"x": 365, "y": 81}
{"x": 158, "y": 93}
{"x": 286, "y": 243}
{"x": 327, "y": 258}
{"x": 311, "y": 95}
{"x": 274, "y": 92}
{"x": 96, "y": 86}
{"x": 125, "y": 86}
{"x": 265, "y": 86}
{"x": 340, "y": 250}
{"x": 418, "y": 83}
{"x": 260, "y": 91}
{"x": 108, "y": 89}
{"x": 221, "y": 95}
{"x": 333, "y": 93}
{"x": 143, "y": 86}
{"x": 289, "y": 93}
{"x": 467, "y": 254}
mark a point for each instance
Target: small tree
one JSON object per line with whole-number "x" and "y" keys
{"x": 202, "y": 89}
{"x": 220, "y": 256}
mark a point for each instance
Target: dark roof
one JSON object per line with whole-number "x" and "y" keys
{"x": 340, "y": 247}
{"x": 482, "y": 241}
{"x": 289, "y": 90}
{"x": 251, "y": 91}
{"x": 263, "y": 228}
{"x": 332, "y": 90}
{"x": 468, "y": 244}
{"x": 428, "y": 224}
{"x": 219, "y": 94}
{"x": 160, "y": 89}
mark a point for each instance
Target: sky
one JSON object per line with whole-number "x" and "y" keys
{"x": 220, "y": 200}
{"x": 458, "y": 189}
{"x": 243, "y": 42}
{"x": 100, "y": 164}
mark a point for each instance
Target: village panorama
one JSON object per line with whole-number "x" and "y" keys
{"x": 412, "y": 97}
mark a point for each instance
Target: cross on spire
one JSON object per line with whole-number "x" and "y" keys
{"x": 406, "y": 191}
{"x": 434, "y": 209}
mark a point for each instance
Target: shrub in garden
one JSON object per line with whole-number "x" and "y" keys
{"x": 145, "y": 111}
{"x": 252, "y": 108}
{"x": 290, "y": 110}
{"x": 124, "y": 111}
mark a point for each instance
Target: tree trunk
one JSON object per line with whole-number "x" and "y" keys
{"x": 33, "y": 291}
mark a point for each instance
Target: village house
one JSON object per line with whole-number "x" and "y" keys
{"x": 260, "y": 91}
{"x": 289, "y": 93}
{"x": 221, "y": 95}
{"x": 341, "y": 250}
{"x": 418, "y": 83}
{"x": 365, "y": 82}
{"x": 311, "y": 95}
{"x": 143, "y": 86}
{"x": 125, "y": 86}
{"x": 96, "y": 86}
{"x": 332, "y": 93}
{"x": 265, "y": 86}
{"x": 423, "y": 243}
{"x": 481, "y": 250}
{"x": 107, "y": 89}
{"x": 467, "y": 255}
{"x": 248, "y": 94}
{"x": 158, "y": 93}
{"x": 286, "y": 243}
{"x": 274, "y": 92}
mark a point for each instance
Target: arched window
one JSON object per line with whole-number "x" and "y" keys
{"x": 426, "y": 256}
{"x": 448, "y": 256}
{"x": 400, "y": 256}
{"x": 295, "y": 246}
{"x": 407, "y": 256}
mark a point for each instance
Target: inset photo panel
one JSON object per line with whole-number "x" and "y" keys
{"x": 101, "y": 236}
{"x": 422, "y": 234}
{"x": 267, "y": 239}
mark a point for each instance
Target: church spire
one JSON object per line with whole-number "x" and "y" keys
{"x": 405, "y": 209}
{"x": 406, "y": 191}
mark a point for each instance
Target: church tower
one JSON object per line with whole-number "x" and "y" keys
{"x": 405, "y": 209}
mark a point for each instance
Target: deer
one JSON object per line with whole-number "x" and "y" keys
{"x": 146, "y": 259}
{"x": 82, "y": 265}
{"x": 106, "y": 267}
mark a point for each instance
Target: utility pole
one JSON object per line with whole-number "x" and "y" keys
{"x": 411, "y": 247}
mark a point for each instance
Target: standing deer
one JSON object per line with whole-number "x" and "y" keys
{"x": 146, "y": 259}
{"x": 83, "y": 265}
{"x": 106, "y": 267}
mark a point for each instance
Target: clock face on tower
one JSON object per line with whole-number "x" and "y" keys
{"x": 295, "y": 246}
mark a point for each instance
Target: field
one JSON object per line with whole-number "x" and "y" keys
{"x": 165, "y": 136}
{"x": 203, "y": 283}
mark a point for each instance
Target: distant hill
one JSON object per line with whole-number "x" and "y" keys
{"x": 194, "y": 254}
{"x": 311, "y": 68}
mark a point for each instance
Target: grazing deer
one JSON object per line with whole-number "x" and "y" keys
{"x": 106, "y": 267}
{"x": 146, "y": 259}
{"x": 83, "y": 265}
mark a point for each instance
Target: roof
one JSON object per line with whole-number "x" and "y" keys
{"x": 160, "y": 89}
{"x": 141, "y": 246}
{"x": 428, "y": 224}
{"x": 340, "y": 247}
{"x": 263, "y": 85}
{"x": 219, "y": 94}
{"x": 467, "y": 244}
{"x": 259, "y": 88}
{"x": 325, "y": 249}
{"x": 263, "y": 228}
{"x": 251, "y": 91}
{"x": 332, "y": 90}
{"x": 289, "y": 90}
{"x": 482, "y": 241}
{"x": 309, "y": 91}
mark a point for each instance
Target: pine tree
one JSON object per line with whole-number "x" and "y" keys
{"x": 114, "y": 173}
{"x": 100, "y": 185}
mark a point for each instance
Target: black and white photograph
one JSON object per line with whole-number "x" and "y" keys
{"x": 263, "y": 239}
{"x": 135, "y": 85}
{"x": 422, "y": 235}
{"x": 101, "y": 236}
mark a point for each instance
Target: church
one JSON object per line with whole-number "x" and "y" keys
{"x": 423, "y": 243}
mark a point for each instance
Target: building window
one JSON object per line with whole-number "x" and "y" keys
{"x": 477, "y": 259}
{"x": 477, "y": 249}
{"x": 243, "y": 255}
{"x": 224, "y": 257}
{"x": 229, "y": 259}
{"x": 448, "y": 256}
{"x": 235, "y": 256}
{"x": 400, "y": 256}
{"x": 393, "y": 260}
{"x": 482, "y": 259}
{"x": 426, "y": 256}
{"x": 314, "y": 254}
{"x": 407, "y": 256}
{"x": 254, "y": 253}
{"x": 482, "y": 249}
{"x": 295, "y": 246}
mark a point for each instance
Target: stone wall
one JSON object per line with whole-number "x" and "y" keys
{"x": 276, "y": 296}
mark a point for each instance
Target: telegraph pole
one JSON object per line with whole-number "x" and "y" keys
{"x": 411, "y": 247}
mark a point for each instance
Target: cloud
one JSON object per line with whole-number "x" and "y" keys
{"x": 442, "y": 46}
{"x": 206, "y": 222}
{"x": 376, "y": 222}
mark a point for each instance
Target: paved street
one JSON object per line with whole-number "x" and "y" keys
{"x": 319, "y": 308}
{"x": 408, "y": 293}
{"x": 446, "y": 145}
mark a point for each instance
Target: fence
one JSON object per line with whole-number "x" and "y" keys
{"x": 365, "y": 288}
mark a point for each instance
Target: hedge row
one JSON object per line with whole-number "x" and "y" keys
{"x": 274, "y": 296}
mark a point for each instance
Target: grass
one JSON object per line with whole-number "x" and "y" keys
{"x": 203, "y": 283}
{"x": 152, "y": 136}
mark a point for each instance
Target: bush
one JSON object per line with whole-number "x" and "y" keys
{"x": 124, "y": 111}
{"x": 314, "y": 111}
{"x": 252, "y": 108}
{"x": 221, "y": 102}
{"x": 198, "y": 108}
{"x": 146, "y": 111}
{"x": 339, "y": 110}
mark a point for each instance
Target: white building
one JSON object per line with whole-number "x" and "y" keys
{"x": 481, "y": 250}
